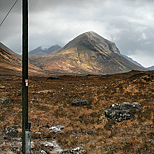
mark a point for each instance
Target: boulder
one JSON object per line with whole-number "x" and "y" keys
{"x": 15, "y": 148}
{"x": 89, "y": 131}
{"x": 80, "y": 102}
{"x": 56, "y": 129}
{"x": 122, "y": 111}
{"x": 78, "y": 150}
{"x": 5, "y": 100}
{"x": 43, "y": 152}
{"x": 11, "y": 131}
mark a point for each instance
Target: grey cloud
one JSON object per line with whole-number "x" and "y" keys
{"x": 128, "y": 23}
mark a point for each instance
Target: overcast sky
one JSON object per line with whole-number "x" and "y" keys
{"x": 127, "y": 23}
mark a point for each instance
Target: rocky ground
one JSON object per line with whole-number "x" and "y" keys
{"x": 57, "y": 124}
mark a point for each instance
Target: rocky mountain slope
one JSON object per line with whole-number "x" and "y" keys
{"x": 40, "y": 51}
{"x": 151, "y": 68}
{"x": 88, "y": 53}
{"x": 6, "y": 49}
{"x": 11, "y": 63}
{"x": 133, "y": 61}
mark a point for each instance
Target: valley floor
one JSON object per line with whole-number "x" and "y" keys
{"x": 57, "y": 125}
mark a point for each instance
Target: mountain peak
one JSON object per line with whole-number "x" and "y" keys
{"x": 92, "y": 41}
{"x": 88, "y": 53}
{"x": 43, "y": 50}
{"x": 91, "y": 33}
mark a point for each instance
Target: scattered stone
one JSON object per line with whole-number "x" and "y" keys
{"x": 5, "y": 100}
{"x": 89, "y": 131}
{"x": 43, "y": 152}
{"x": 17, "y": 139}
{"x": 80, "y": 102}
{"x": 56, "y": 129}
{"x": 11, "y": 131}
{"x": 15, "y": 148}
{"x": 122, "y": 111}
{"x": 78, "y": 150}
{"x": 38, "y": 133}
{"x": 1, "y": 137}
{"x": 48, "y": 144}
{"x": 16, "y": 126}
{"x": 51, "y": 146}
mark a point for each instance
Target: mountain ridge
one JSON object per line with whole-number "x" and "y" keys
{"x": 86, "y": 53}
{"x": 39, "y": 51}
{"x": 8, "y": 50}
{"x": 132, "y": 60}
{"x": 151, "y": 68}
{"x": 11, "y": 64}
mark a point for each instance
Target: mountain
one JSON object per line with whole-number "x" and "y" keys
{"x": 88, "y": 53}
{"x": 9, "y": 51}
{"x": 11, "y": 62}
{"x": 40, "y": 51}
{"x": 130, "y": 59}
{"x": 151, "y": 68}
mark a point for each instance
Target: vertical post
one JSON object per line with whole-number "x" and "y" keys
{"x": 24, "y": 71}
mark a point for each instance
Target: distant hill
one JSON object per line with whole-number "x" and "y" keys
{"x": 40, "y": 51}
{"x": 88, "y": 53}
{"x": 151, "y": 68}
{"x": 11, "y": 64}
{"x": 6, "y": 49}
{"x": 135, "y": 62}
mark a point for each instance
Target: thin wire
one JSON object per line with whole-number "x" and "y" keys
{"x": 16, "y": 10}
{"x": 8, "y": 12}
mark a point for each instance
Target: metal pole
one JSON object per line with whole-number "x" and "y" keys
{"x": 24, "y": 72}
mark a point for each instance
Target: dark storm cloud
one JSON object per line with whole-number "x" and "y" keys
{"x": 128, "y": 23}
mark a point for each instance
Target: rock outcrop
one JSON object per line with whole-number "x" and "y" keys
{"x": 80, "y": 102}
{"x": 122, "y": 111}
{"x": 11, "y": 131}
{"x": 78, "y": 150}
{"x": 5, "y": 100}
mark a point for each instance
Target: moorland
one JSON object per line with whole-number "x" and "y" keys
{"x": 54, "y": 120}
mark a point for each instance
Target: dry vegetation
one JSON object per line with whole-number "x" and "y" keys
{"x": 50, "y": 104}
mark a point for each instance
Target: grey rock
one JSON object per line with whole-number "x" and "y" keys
{"x": 16, "y": 126}
{"x": 80, "y": 102}
{"x": 5, "y": 100}
{"x": 43, "y": 152}
{"x": 89, "y": 131}
{"x": 17, "y": 139}
{"x": 11, "y": 131}
{"x": 15, "y": 148}
{"x": 78, "y": 150}
{"x": 56, "y": 129}
{"x": 122, "y": 111}
{"x": 1, "y": 137}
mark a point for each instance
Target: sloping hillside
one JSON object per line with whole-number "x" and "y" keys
{"x": 11, "y": 64}
{"x": 87, "y": 53}
{"x": 40, "y": 51}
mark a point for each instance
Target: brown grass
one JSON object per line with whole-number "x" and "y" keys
{"x": 50, "y": 104}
